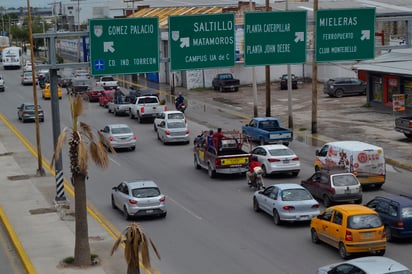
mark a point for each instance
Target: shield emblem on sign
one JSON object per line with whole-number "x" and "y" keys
{"x": 98, "y": 30}
{"x": 175, "y": 35}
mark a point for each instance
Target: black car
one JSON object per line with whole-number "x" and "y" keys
{"x": 339, "y": 87}
{"x": 396, "y": 214}
{"x": 284, "y": 81}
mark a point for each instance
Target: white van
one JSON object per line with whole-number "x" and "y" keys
{"x": 364, "y": 160}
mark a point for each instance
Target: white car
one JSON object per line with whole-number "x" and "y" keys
{"x": 27, "y": 67}
{"x": 173, "y": 131}
{"x": 277, "y": 159}
{"x": 286, "y": 202}
{"x": 366, "y": 265}
{"x": 119, "y": 136}
{"x": 169, "y": 114}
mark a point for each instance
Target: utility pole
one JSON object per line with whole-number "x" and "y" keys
{"x": 290, "y": 112}
{"x": 267, "y": 78}
{"x": 314, "y": 76}
{"x": 254, "y": 89}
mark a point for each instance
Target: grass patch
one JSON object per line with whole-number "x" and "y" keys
{"x": 303, "y": 129}
{"x": 70, "y": 260}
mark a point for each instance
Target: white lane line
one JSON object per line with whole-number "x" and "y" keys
{"x": 114, "y": 161}
{"x": 186, "y": 209}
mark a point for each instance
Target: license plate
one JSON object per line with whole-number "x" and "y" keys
{"x": 149, "y": 211}
{"x": 304, "y": 217}
{"x": 367, "y": 235}
{"x": 234, "y": 161}
{"x": 286, "y": 161}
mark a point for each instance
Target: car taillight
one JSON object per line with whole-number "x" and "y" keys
{"x": 315, "y": 206}
{"x": 288, "y": 207}
{"x": 167, "y": 132}
{"x": 348, "y": 236}
{"x": 165, "y": 108}
{"x": 399, "y": 224}
{"x": 110, "y": 138}
{"x": 134, "y": 137}
{"x": 410, "y": 123}
{"x": 295, "y": 159}
{"x": 187, "y": 131}
{"x": 272, "y": 160}
{"x": 163, "y": 199}
{"x": 218, "y": 162}
{"x": 331, "y": 190}
{"x": 142, "y": 110}
{"x": 132, "y": 202}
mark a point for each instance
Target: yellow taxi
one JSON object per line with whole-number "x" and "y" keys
{"x": 46, "y": 92}
{"x": 351, "y": 229}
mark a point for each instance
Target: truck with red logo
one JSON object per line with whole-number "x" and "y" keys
{"x": 365, "y": 161}
{"x": 223, "y": 156}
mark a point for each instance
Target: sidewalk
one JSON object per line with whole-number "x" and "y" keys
{"x": 44, "y": 236}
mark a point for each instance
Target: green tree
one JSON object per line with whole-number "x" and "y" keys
{"x": 82, "y": 144}
{"x": 136, "y": 246}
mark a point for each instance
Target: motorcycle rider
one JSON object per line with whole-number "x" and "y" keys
{"x": 251, "y": 174}
{"x": 179, "y": 101}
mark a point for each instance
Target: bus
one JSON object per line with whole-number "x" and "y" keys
{"x": 12, "y": 57}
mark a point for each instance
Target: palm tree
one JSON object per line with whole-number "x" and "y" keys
{"x": 136, "y": 242}
{"x": 82, "y": 144}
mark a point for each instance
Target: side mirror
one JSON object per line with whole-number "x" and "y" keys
{"x": 115, "y": 188}
{"x": 317, "y": 152}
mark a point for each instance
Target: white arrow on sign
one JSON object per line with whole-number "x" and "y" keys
{"x": 184, "y": 42}
{"x": 299, "y": 36}
{"x": 108, "y": 46}
{"x": 366, "y": 35}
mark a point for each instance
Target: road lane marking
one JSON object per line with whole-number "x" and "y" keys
{"x": 186, "y": 209}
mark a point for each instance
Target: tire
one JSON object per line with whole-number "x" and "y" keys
{"x": 154, "y": 127}
{"x": 139, "y": 119}
{"x": 220, "y": 89}
{"x": 196, "y": 163}
{"x": 115, "y": 112}
{"x": 378, "y": 186}
{"x": 359, "y": 201}
{"x": 41, "y": 120}
{"x": 163, "y": 215}
{"x": 164, "y": 142}
{"x": 388, "y": 234}
{"x": 108, "y": 110}
{"x": 339, "y": 93}
{"x": 317, "y": 168}
{"x": 314, "y": 236}
{"x": 295, "y": 173}
{"x": 133, "y": 148}
{"x": 256, "y": 207}
{"x": 113, "y": 204}
{"x": 408, "y": 135}
{"x": 261, "y": 141}
{"x": 210, "y": 171}
{"x": 131, "y": 114}
{"x": 342, "y": 251}
{"x": 158, "y": 137}
{"x": 276, "y": 218}
{"x": 380, "y": 252}
{"x": 265, "y": 174}
{"x": 126, "y": 215}
{"x": 326, "y": 201}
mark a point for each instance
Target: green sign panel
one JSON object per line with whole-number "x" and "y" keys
{"x": 275, "y": 38}
{"x": 202, "y": 41}
{"x": 124, "y": 45}
{"x": 345, "y": 34}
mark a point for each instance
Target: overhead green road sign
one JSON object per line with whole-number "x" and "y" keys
{"x": 124, "y": 45}
{"x": 345, "y": 34}
{"x": 275, "y": 38}
{"x": 202, "y": 41}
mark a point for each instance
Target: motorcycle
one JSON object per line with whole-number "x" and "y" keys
{"x": 181, "y": 107}
{"x": 256, "y": 179}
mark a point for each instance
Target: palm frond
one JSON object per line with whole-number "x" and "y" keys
{"x": 87, "y": 130}
{"x": 155, "y": 249}
{"x": 77, "y": 106}
{"x": 99, "y": 154}
{"x": 104, "y": 141}
{"x": 57, "y": 151}
{"x": 116, "y": 244}
{"x": 145, "y": 251}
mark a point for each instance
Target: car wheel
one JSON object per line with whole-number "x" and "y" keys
{"x": 342, "y": 251}
{"x": 113, "y": 204}
{"x": 256, "y": 205}
{"x": 220, "y": 89}
{"x": 358, "y": 201}
{"x": 133, "y": 148}
{"x": 139, "y": 119}
{"x": 163, "y": 141}
{"x": 154, "y": 127}
{"x": 314, "y": 236}
{"x": 108, "y": 110}
{"x": 378, "y": 186}
{"x": 41, "y": 120}
{"x": 163, "y": 215}
{"x": 408, "y": 135}
{"x": 276, "y": 218}
{"x": 326, "y": 201}
{"x": 126, "y": 214}
{"x": 388, "y": 233}
{"x": 265, "y": 174}
{"x": 317, "y": 168}
{"x": 131, "y": 114}
{"x": 339, "y": 93}
{"x": 380, "y": 252}
{"x": 115, "y": 112}
{"x": 295, "y": 173}
{"x": 210, "y": 171}
{"x": 158, "y": 137}
{"x": 195, "y": 162}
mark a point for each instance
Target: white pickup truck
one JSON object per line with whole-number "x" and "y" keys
{"x": 146, "y": 107}
{"x": 107, "y": 82}
{"x": 2, "y": 87}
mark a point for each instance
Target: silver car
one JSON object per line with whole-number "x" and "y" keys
{"x": 366, "y": 265}
{"x": 166, "y": 115}
{"x": 286, "y": 202}
{"x": 173, "y": 131}
{"x": 119, "y": 136}
{"x": 26, "y": 112}
{"x": 27, "y": 78}
{"x": 277, "y": 159}
{"x": 139, "y": 198}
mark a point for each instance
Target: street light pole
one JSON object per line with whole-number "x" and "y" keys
{"x": 44, "y": 40}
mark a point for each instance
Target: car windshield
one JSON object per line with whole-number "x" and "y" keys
{"x": 145, "y": 192}
{"x": 364, "y": 221}
{"x": 295, "y": 195}
{"x": 344, "y": 180}
{"x": 281, "y": 152}
{"x": 31, "y": 107}
{"x": 148, "y": 100}
{"x": 119, "y": 130}
{"x": 176, "y": 124}
{"x": 406, "y": 212}
{"x": 175, "y": 116}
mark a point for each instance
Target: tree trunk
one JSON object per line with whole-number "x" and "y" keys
{"x": 82, "y": 247}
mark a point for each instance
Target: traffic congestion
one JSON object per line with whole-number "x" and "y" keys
{"x": 220, "y": 221}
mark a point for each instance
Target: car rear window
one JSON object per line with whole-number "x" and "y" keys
{"x": 281, "y": 152}
{"x": 364, "y": 221}
{"x": 118, "y": 130}
{"x": 176, "y": 116}
{"x": 295, "y": 195}
{"x": 148, "y": 100}
{"x": 344, "y": 180}
{"x": 145, "y": 192}
{"x": 177, "y": 124}
{"x": 406, "y": 212}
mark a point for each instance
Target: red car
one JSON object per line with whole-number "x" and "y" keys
{"x": 94, "y": 94}
{"x": 105, "y": 97}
